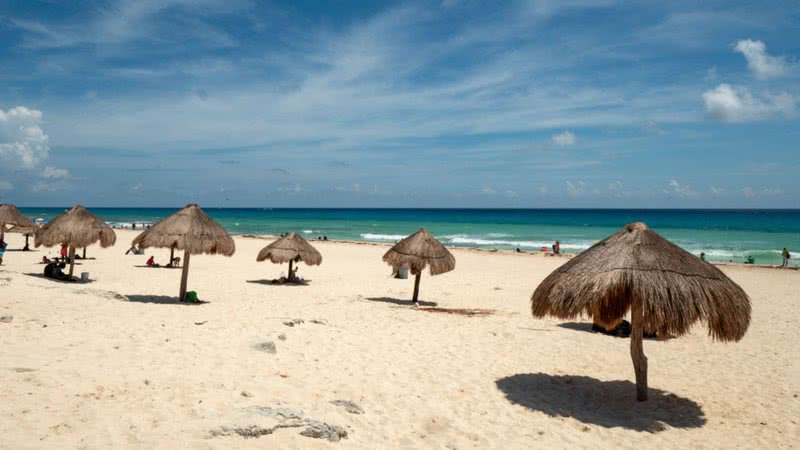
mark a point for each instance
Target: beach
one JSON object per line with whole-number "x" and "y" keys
{"x": 117, "y": 363}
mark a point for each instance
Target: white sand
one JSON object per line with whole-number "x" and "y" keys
{"x": 81, "y": 366}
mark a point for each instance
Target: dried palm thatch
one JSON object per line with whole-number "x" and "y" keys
{"x": 292, "y": 249}
{"x": 666, "y": 288}
{"x": 192, "y": 231}
{"x": 10, "y": 215}
{"x": 75, "y": 228}
{"x": 417, "y": 251}
{"x": 27, "y": 232}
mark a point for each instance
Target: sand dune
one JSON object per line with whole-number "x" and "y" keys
{"x": 118, "y": 363}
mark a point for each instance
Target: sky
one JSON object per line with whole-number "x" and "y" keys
{"x": 452, "y": 103}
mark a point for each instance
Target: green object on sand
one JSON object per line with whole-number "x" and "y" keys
{"x": 191, "y": 296}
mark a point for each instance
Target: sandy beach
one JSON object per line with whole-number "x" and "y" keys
{"x": 116, "y": 362}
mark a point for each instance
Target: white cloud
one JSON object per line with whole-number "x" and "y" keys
{"x": 759, "y": 62}
{"x": 736, "y": 104}
{"x": 488, "y": 190}
{"x": 750, "y": 192}
{"x": 6, "y": 185}
{"x": 511, "y": 194}
{"x": 23, "y": 142}
{"x": 683, "y": 190}
{"x": 54, "y": 173}
{"x": 45, "y": 186}
{"x": 294, "y": 188}
{"x": 716, "y": 190}
{"x": 575, "y": 189}
{"x": 355, "y": 187}
{"x": 564, "y": 139}
{"x": 615, "y": 186}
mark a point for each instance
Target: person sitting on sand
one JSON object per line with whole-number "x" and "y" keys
{"x": 55, "y": 271}
{"x": 46, "y": 260}
{"x": 786, "y": 255}
{"x": 151, "y": 262}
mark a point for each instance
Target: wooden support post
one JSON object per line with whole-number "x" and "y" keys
{"x": 71, "y": 260}
{"x": 291, "y": 276}
{"x": 171, "y": 255}
{"x": 184, "y": 276}
{"x": 637, "y": 349}
{"x": 84, "y": 252}
{"x": 416, "y": 287}
{"x": 27, "y": 243}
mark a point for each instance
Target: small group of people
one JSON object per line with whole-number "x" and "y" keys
{"x": 322, "y": 238}
{"x": 557, "y": 248}
{"x": 55, "y": 270}
{"x": 151, "y": 262}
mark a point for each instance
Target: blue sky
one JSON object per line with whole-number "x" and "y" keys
{"x": 452, "y": 103}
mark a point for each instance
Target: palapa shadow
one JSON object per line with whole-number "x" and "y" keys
{"x": 397, "y": 301}
{"x": 587, "y": 327}
{"x": 74, "y": 280}
{"x": 279, "y": 283}
{"x": 608, "y": 404}
{"x": 161, "y": 300}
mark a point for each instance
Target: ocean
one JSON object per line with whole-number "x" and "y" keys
{"x": 723, "y": 235}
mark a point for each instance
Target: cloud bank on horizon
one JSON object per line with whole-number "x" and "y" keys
{"x": 457, "y": 104}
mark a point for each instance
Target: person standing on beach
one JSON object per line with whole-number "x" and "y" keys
{"x": 786, "y": 256}
{"x": 3, "y": 246}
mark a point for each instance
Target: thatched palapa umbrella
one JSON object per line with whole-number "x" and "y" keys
{"x": 75, "y": 228}
{"x": 27, "y": 232}
{"x": 292, "y": 249}
{"x": 417, "y": 251}
{"x": 192, "y": 231}
{"x": 666, "y": 288}
{"x": 10, "y": 215}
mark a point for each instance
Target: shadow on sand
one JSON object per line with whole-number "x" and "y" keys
{"x": 145, "y": 266}
{"x": 280, "y": 283}
{"x": 74, "y": 280}
{"x": 161, "y": 300}
{"x": 607, "y": 404}
{"x": 397, "y": 301}
{"x": 587, "y": 327}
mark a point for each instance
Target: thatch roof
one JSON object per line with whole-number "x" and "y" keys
{"x": 417, "y": 251}
{"x": 675, "y": 287}
{"x": 75, "y": 228}
{"x": 10, "y": 215}
{"x": 189, "y": 229}
{"x": 23, "y": 230}
{"x": 289, "y": 248}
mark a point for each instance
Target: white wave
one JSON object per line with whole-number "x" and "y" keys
{"x": 509, "y": 243}
{"x": 382, "y": 237}
{"x": 308, "y": 231}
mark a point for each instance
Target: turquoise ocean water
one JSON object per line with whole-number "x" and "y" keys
{"x": 724, "y": 235}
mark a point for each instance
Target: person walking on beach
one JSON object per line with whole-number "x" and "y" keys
{"x": 786, "y": 256}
